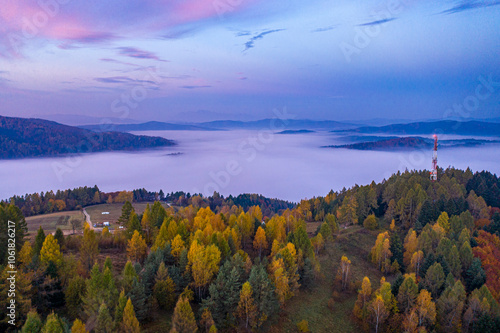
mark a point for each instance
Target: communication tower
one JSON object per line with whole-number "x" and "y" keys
{"x": 434, "y": 171}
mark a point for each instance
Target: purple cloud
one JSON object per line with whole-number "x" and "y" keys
{"x": 134, "y": 52}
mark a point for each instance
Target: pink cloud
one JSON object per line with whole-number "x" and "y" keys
{"x": 95, "y": 21}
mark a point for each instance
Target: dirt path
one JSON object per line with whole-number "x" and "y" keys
{"x": 87, "y": 219}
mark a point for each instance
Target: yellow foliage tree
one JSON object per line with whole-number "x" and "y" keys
{"x": 26, "y": 254}
{"x": 318, "y": 242}
{"x": 204, "y": 263}
{"x": 345, "y": 266}
{"x": 378, "y": 311}
{"x": 410, "y": 246}
{"x": 247, "y": 310}
{"x": 50, "y": 251}
{"x": 183, "y": 320}
{"x": 260, "y": 241}
{"x": 177, "y": 246}
{"x": 130, "y": 323}
{"x": 78, "y": 327}
{"x": 137, "y": 248}
{"x": 425, "y": 309}
{"x": 280, "y": 279}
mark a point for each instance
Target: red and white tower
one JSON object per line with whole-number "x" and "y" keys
{"x": 434, "y": 171}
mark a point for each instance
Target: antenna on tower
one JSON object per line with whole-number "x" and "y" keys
{"x": 434, "y": 172}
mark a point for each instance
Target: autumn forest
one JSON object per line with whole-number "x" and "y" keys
{"x": 403, "y": 255}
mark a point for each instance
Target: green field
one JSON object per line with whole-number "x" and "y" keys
{"x": 115, "y": 210}
{"x": 50, "y": 222}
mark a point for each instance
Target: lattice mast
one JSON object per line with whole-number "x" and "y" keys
{"x": 434, "y": 171}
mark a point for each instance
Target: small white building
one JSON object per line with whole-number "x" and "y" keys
{"x": 105, "y": 213}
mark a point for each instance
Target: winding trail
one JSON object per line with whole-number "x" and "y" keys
{"x": 87, "y": 219}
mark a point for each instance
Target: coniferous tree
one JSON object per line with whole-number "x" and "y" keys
{"x": 53, "y": 324}
{"x": 104, "y": 320}
{"x": 475, "y": 276}
{"x": 263, "y": 293}
{"x": 139, "y": 299}
{"x": 127, "y": 210}
{"x": 74, "y": 295}
{"x": 183, "y": 320}
{"x": 33, "y": 323}
{"x": 130, "y": 323}
{"x": 78, "y": 327}
{"x": 39, "y": 239}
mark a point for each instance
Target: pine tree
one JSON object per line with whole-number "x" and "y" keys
{"x": 450, "y": 306}
{"x": 39, "y": 239}
{"x": 53, "y": 324}
{"x": 164, "y": 292}
{"x": 443, "y": 221}
{"x": 127, "y": 210}
{"x": 475, "y": 276}
{"x": 59, "y": 236}
{"x": 104, "y": 321}
{"x": 434, "y": 279}
{"x": 408, "y": 292}
{"x": 163, "y": 237}
{"x": 33, "y": 323}
{"x": 120, "y": 307}
{"x": 89, "y": 248}
{"x": 78, "y": 327}
{"x": 128, "y": 276}
{"x": 183, "y": 320}
{"x": 138, "y": 297}
{"x": 263, "y": 293}
{"x": 74, "y": 294}
{"x": 26, "y": 254}
{"x": 133, "y": 225}
{"x": 247, "y": 311}
{"x": 224, "y": 295}
{"x": 130, "y": 323}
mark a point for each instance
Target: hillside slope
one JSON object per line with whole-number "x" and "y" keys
{"x": 21, "y": 137}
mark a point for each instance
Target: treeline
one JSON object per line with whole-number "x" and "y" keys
{"x": 50, "y": 202}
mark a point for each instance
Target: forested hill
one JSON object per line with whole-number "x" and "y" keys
{"x": 479, "y": 128}
{"x": 402, "y": 255}
{"x": 22, "y": 137}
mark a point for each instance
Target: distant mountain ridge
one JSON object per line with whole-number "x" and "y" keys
{"x": 32, "y": 137}
{"x": 271, "y": 124}
{"x": 478, "y": 128}
{"x": 147, "y": 126}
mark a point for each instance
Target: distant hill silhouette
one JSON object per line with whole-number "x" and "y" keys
{"x": 23, "y": 137}
{"x": 148, "y": 126}
{"x": 479, "y": 128}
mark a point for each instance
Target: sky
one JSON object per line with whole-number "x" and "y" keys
{"x": 199, "y": 60}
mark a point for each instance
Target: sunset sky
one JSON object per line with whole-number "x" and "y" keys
{"x": 238, "y": 59}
